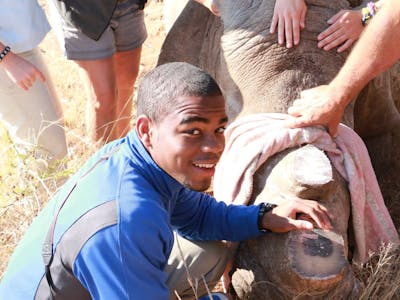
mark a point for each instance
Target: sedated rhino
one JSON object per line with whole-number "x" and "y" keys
{"x": 257, "y": 75}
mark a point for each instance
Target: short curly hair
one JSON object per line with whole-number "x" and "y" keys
{"x": 161, "y": 87}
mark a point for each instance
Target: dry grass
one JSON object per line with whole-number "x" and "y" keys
{"x": 380, "y": 277}
{"x": 25, "y": 187}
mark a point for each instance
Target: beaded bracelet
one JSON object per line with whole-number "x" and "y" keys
{"x": 4, "y": 52}
{"x": 368, "y": 12}
{"x": 372, "y": 8}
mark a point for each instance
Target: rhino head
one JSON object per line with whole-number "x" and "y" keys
{"x": 300, "y": 264}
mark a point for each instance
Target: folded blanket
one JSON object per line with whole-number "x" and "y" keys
{"x": 251, "y": 140}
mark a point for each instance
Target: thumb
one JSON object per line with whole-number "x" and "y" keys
{"x": 295, "y": 123}
{"x": 294, "y": 111}
{"x": 301, "y": 224}
{"x": 42, "y": 77}
{"x": 333, "y": 128}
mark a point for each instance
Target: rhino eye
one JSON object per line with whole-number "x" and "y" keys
{"x": 319, "y": 246}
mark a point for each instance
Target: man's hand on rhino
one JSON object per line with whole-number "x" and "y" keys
{"x": 289, "y": 17}
{"x": 345, "y": 29}
{"x": 316, "y": 106}
{"x": 296, "y": 213}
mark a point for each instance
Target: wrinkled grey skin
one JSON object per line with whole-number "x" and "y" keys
{"x": 257, "y": 75}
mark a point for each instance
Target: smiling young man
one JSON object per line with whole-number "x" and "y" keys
{"x": 109, "y": 232}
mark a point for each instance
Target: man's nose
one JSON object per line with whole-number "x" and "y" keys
{"x": 213, "y": 143}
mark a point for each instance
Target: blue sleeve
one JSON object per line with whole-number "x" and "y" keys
{"x": 127, "y": 261}
{"x": 201, "y": 217}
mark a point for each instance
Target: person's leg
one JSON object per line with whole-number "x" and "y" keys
{"x": 96, "y": 62}
{"x": 129, "y": 34}
{"x": 127, "y": 69}
{"x": 110, "y": 85}
{"x": 33, "y": 117}
{"x": 194, "y": 260}
{"x": 101, "y": 90}
{"x": 110, "y": 66}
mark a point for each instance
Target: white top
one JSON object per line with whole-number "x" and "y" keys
{"x": 23, "y": 24}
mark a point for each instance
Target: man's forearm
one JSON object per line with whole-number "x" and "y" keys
{"x": 377, "y": 49}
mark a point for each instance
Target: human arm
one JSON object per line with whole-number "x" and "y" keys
{"x": 377, "y": 49}
{"x": 199, "y": 216}
{"x": 206, "y": 218}
{"x": 19, "y": 70}
{"x": 210, "y": 5}
{"x": 127, "y": 260}
{"x": 288, "y": 18}
{"x": 345, "y": 28}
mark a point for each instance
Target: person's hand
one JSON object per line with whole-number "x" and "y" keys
{"x": 316, "y": 106}
{"x": 210, "y": 4}
{"x": 20, "y": 71}
{"x": 296, "y": 213}
{"x": 289, "y": 17}
{"x": 345, "y": 29}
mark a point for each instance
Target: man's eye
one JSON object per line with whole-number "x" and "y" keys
{"x": 193, "y": 131}
{"x": 221, "y": 130}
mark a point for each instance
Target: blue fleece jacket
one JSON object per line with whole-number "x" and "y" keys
{"x": 125, "y": 260}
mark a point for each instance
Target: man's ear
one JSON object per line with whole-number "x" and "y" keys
{"x": 143, "y": 129}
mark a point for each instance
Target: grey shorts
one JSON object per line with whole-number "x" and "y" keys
{"x": 126, "y": 31}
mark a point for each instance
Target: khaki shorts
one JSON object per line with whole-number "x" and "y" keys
{"x": 126, "y": 31}
{"x": 206, "y": 259}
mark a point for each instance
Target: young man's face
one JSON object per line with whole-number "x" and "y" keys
{"x": 187, "y": 143}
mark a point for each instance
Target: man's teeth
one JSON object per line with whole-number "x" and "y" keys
{"x": 207, "y": 166}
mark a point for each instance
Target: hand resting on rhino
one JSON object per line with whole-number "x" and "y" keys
{"x": 326, "y": 104}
